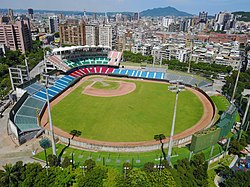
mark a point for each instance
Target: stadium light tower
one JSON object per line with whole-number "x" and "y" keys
{"x": 237, "y": 78}
{"x": 245, "y": 93}
{"x": 49, "y": 113}
{"x": 170, "y": 144}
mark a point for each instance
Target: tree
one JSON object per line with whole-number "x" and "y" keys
{"x": 137, "y": 177}
{"x": 52, "y": 160}
{"x": 29, "y": 174}
{"x": 160, "y": 137}
{"x": 66, "y": 162}
{"x": 45, "y": 143}
{"x": 235, "y": 147}
{"x": 90, "y": 164}
{"x": 9, "y": 177}
{"x": 114, "y": 178}
{"x": 93, "y": 178}
{"x": 161, "y": 179}
{"x": 149, "y": 167}
{"x": 239, "y": 178}
{"x": 75, "y": 133}
{"x": 57, "y": 35}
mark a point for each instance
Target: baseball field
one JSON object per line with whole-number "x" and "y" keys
{"x": 122, "y": 110}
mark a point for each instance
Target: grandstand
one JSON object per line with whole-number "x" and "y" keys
{"x": 67, "y": 58}
{"x": 26, "y": 116}
{"x": 77, "y": 62}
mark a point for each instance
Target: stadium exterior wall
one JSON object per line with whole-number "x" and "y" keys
{"x": 100, "y": 147}
{"x": 12, "y": 129}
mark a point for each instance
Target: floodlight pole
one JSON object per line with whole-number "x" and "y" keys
{"x": 244, "y": 118}
{"x": 236, "y": 82}
{"x": 170, "y": 143}
{"x": 50, "y": 118}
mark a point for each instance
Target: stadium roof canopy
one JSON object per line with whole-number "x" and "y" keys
{"x": 71, "y": 48}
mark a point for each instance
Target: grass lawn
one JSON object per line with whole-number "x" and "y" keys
{"x": 211, "y": 173}
{"x": 222, "y": 104}
{"x": 137, "y": 116}
{"x": 106, "y": 85}
{"x": 116, "y": 160}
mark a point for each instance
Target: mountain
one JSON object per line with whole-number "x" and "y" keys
{"x": 242, "y": 16}
{"x": 167, "y": 11}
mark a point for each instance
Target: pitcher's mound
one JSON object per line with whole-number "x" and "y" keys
{"x": 123, "y": 89}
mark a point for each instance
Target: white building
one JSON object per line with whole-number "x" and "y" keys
{"x": 91, "y": 35}
{"x": 105, "y": 35}
{"x": 167, "y": 21}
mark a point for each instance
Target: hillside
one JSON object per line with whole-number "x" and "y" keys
{"x": 242, "y": 16}
{"x": 167, "y": 11}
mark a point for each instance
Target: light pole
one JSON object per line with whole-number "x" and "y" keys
{"x": 125, "y": 171}
{"x": 244, "y": 93}
{"x": 50, "y": 118}
{"x": 83, "y": 169}
{"x": 170, "y": 144}
{"x": 236, "y": 82}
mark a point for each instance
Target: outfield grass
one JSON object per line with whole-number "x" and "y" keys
{"x": 137, "y": 116}
{"x": 106, "y": 85}
{"x": 222, "y": 104}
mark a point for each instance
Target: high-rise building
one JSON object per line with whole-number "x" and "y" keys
{"x": 203, "y": 17}
{"x": 92, "y": 35}
{"x": 94, "y": 16}
{"x": 166, "y": 21}
{"x": 224, "y": 21}
{"x": 105, "y": 35}
{"x": 11, "y": 15}
{"x": 31, "y": 12}
{"x": 16, "y": 36}
{"x": 73, "y": 34}
{"x": 53, "y": 24}
{"x": 136, "y": 16}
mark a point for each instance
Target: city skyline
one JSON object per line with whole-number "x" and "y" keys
{"x": 189, "y": 6}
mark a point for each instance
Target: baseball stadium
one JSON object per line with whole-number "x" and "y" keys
{"x": 116, "y": 108}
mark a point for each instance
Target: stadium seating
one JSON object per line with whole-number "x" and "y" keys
{"x": 140, "y": 73}
{"x": 26, "y": 117}
{"x": 114, "y": 57}
{"x": 89, "y": 61}
{"x": 59, "y": 86}
{"x": 91, "y": 70}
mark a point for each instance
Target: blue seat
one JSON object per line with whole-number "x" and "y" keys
{"x": 151, "y": 75}
{"x": 60, "y": 82}
{"x": 136, "y": 73}
{"x": 144, "y": 74}
{"x": 130, "y": 72}
{"x": 41, "y": 96}
{"x": 123, "y": 72}
{"x": 158, "y": 75}
{"x": 56, "y": 89}
{"x": 116, "y": 71}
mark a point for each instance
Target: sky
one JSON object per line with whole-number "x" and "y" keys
{"x": 190, "y": 6}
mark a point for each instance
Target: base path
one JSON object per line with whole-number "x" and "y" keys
{"x": 204, "y": 122}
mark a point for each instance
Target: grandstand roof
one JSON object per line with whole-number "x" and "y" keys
{"x": 76, "y": 47}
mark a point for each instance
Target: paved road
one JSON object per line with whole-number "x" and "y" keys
{"x": 9, "y": 151}
{"x": 37, "y": 69}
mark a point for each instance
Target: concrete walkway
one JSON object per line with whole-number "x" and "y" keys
{"x": 11, "y": 152}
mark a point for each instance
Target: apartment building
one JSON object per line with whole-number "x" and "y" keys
{"x": 16, "y": 36}
{"x": 105, "y": 35}
{"x": 73, "y": 33}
